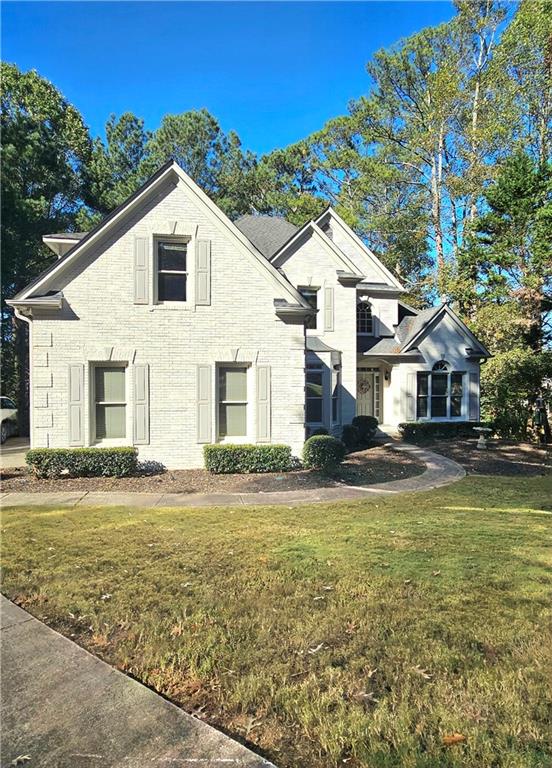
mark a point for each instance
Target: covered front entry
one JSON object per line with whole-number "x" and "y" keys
{"x": 368, "y": 401}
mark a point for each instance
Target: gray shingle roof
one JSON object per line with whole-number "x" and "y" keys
{"x": 267, "y": 233}
{"x": 412, "y": 324}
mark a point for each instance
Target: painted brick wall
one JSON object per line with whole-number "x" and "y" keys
{"x": 102, "y": 323}
{"x": 311, "y": 264}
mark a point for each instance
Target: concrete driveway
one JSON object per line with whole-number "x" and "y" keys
{"x": 12, "y": 453}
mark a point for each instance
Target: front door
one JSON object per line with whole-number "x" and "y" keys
{"x": 368, "y": 392}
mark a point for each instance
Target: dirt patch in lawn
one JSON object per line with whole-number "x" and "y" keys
{"x": 500, "y": 458}
{"x": 374, "y": 465}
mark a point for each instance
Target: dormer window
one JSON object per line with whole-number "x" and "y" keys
{"x": 365, "y": 321}
{"x": 172, "y": 271}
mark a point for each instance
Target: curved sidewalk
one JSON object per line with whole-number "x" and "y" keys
{"x": 439, "y": 471}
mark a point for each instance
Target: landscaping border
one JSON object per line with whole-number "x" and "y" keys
{"x": 439, "y": 471}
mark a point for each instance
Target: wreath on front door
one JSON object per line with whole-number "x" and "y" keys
{"x": 364, "y": 386}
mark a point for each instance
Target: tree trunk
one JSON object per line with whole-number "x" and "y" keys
{"x": 436, "y": 180}
{"x": 22, "y": 353}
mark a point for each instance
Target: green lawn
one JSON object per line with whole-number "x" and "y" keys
{"x": 370, "y": 631}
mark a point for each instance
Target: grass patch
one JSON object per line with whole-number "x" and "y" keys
{"x": 366, "y": 632}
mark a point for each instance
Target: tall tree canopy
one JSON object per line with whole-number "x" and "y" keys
{"x": 442, "y": 167}
{"x": 45, "y": 146}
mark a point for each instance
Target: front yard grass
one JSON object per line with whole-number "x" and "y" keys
{"x": 363, "y": 634}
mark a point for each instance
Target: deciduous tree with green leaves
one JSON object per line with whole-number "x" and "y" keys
{"x": 45, "y": 145}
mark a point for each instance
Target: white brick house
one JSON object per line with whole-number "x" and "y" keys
{"x": 168, "y": 327}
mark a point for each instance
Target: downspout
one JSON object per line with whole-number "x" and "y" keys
{"x": 27, "y": 319}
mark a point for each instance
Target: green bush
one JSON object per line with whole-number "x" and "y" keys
{"x": 319, "y": 431}
{"x": 323, "y": 452}
{"x": 82, "y": 462}
{"x": 367, "y": 426}
{"x": 430, "y": 430}
{"x": 227, "y": 458}
{"x": 350, "y": 435}
{"x": 510, "y": 383}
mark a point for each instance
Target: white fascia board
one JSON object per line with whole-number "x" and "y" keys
{"x": 55, "y": 243}
{"x": 360, "y": 244}
{"x": 101, "y": 231}
{"x": 435, "y": 320}
{"x": 216, "y": 214}
{"x": 261, "y": 263}
{"x": 322, "y": 238}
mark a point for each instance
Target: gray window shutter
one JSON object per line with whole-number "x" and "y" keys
{"x": 76, "y": 405}
{"x": 141, "y": 405}
{"x": 263, "y": 404}
{"x": 410, "y": 397}
{"x": 204, "y": 404}
{"x": 473, "y": 394}
{"x": 141, "y": 270}
{"x": 203, "y": 272}
{"x": 328, "y": 309}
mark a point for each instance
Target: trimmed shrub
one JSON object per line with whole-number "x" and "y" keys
{"x": 226, "y": 458}
{"x": 83, "y": 462}
{"x": 367, "y": 426}
{"x": 319, "y": 431}
{"x": 323, "y": 452}
{"x": 350, "y": 435}
{"x": 430, "y": 430}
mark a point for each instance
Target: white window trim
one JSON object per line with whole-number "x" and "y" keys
{"x": 108, "y": 442}
{"x": 234, "y": 439}
{"x": 448, "y": 417}
{"x": 189, "y": 242}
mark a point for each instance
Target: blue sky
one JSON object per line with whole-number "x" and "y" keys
{"x": 274, "y": 72}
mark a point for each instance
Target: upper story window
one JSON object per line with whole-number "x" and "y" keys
{"x": 311, "y": 297}
{"x": 365, "y": 321}
{"x": 172, "y": 270}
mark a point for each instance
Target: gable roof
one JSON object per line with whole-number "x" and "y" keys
{"x": 169, "y": 169}
{"x": 310, "y": 226}
{"x": 267, "y": 233}
{"x": 426, "y": 320}
{"x": 355, "y": 239}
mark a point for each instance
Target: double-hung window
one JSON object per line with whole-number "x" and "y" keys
{"x": 172, "y": 273}
{"x": 110, "y": 402}
{"x": 314, "y": 394}
{"x": 440, "y": 393}
{"x": 232, "y": 401}
{"x": 311, "y": 297}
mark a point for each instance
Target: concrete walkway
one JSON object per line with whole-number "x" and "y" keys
{"x": 439, "y": 471}
{"x": 64, "y": 708}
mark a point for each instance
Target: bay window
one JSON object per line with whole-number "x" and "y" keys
{"x": 439, "y": 393}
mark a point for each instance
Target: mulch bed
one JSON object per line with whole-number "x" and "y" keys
{"x": 373, "y": 465}
{"x": 501, "y": 457}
